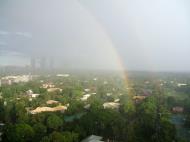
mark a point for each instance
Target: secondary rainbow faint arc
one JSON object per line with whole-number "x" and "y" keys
{"x": 112, "y": 49}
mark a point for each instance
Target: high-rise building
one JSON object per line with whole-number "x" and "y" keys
{"x": 51, "y": 63}
{"x": 33, "y": 64}
{"x": 43, "y": 63}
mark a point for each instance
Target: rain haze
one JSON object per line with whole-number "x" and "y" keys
{"x": 97, "y": 34}
{"x": 94, "y": 70}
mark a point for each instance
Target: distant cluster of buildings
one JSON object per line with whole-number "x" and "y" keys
{"x": 163, "y": 82}
{"x": 47, "y": 85}
{"x": 181, "y": 84}
{"x": 41, "y": 63}
{"x": 51, "y": 87}
{"x": 8, "y": 80}
{"x": 32, "y": 96}
{"x": 63, "y": 75}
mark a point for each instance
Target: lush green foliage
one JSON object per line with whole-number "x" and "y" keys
{"x": 148, "y": 120}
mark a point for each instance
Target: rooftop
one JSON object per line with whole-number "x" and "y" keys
{"x": 93, "y": 138}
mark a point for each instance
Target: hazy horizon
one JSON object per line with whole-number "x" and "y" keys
{"x": 99, "y": 34}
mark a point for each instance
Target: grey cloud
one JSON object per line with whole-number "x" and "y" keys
{"x": 2, "y": 43}
{"x": 4, "y": 33}
{"x": 24, "y": 34}
{"x": 148, "y": 34}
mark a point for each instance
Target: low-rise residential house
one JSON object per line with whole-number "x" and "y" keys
{"x": 111, "y": 105}
{"x": 95, "y": 79}
{"x": 139, "y": 97}
{"x": 87, "y": 90}
{"x": 48, "y": 109}
{"x": 85, "y": 97}
{"x": 146, "y": 82}
{"x": 5, "y": 103}
{"x": 18, "y": 99}
{"x": 105, "y": 82}
{"x": 34, "y": 95}
{"x": 177, "y": 109}
{"x": 54, "y": 89}
{"x": 87, "y": 106}
{"x": 50, "y": 102}
{"x": 2, "y": 124}
{"x": 93, "y": 89}
{"x": 116, "y": 100}
{"x": 93, "y": 138}
{"x": 108, "y": 94}
{"x": 31, "y": 94}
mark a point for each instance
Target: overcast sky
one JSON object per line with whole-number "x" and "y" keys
{"x": 147, "y": 34}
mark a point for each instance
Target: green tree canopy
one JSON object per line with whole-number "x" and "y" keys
{"x": 54, "y": 122}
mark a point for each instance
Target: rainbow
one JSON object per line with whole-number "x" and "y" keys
{"x": 112, "y": 49}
